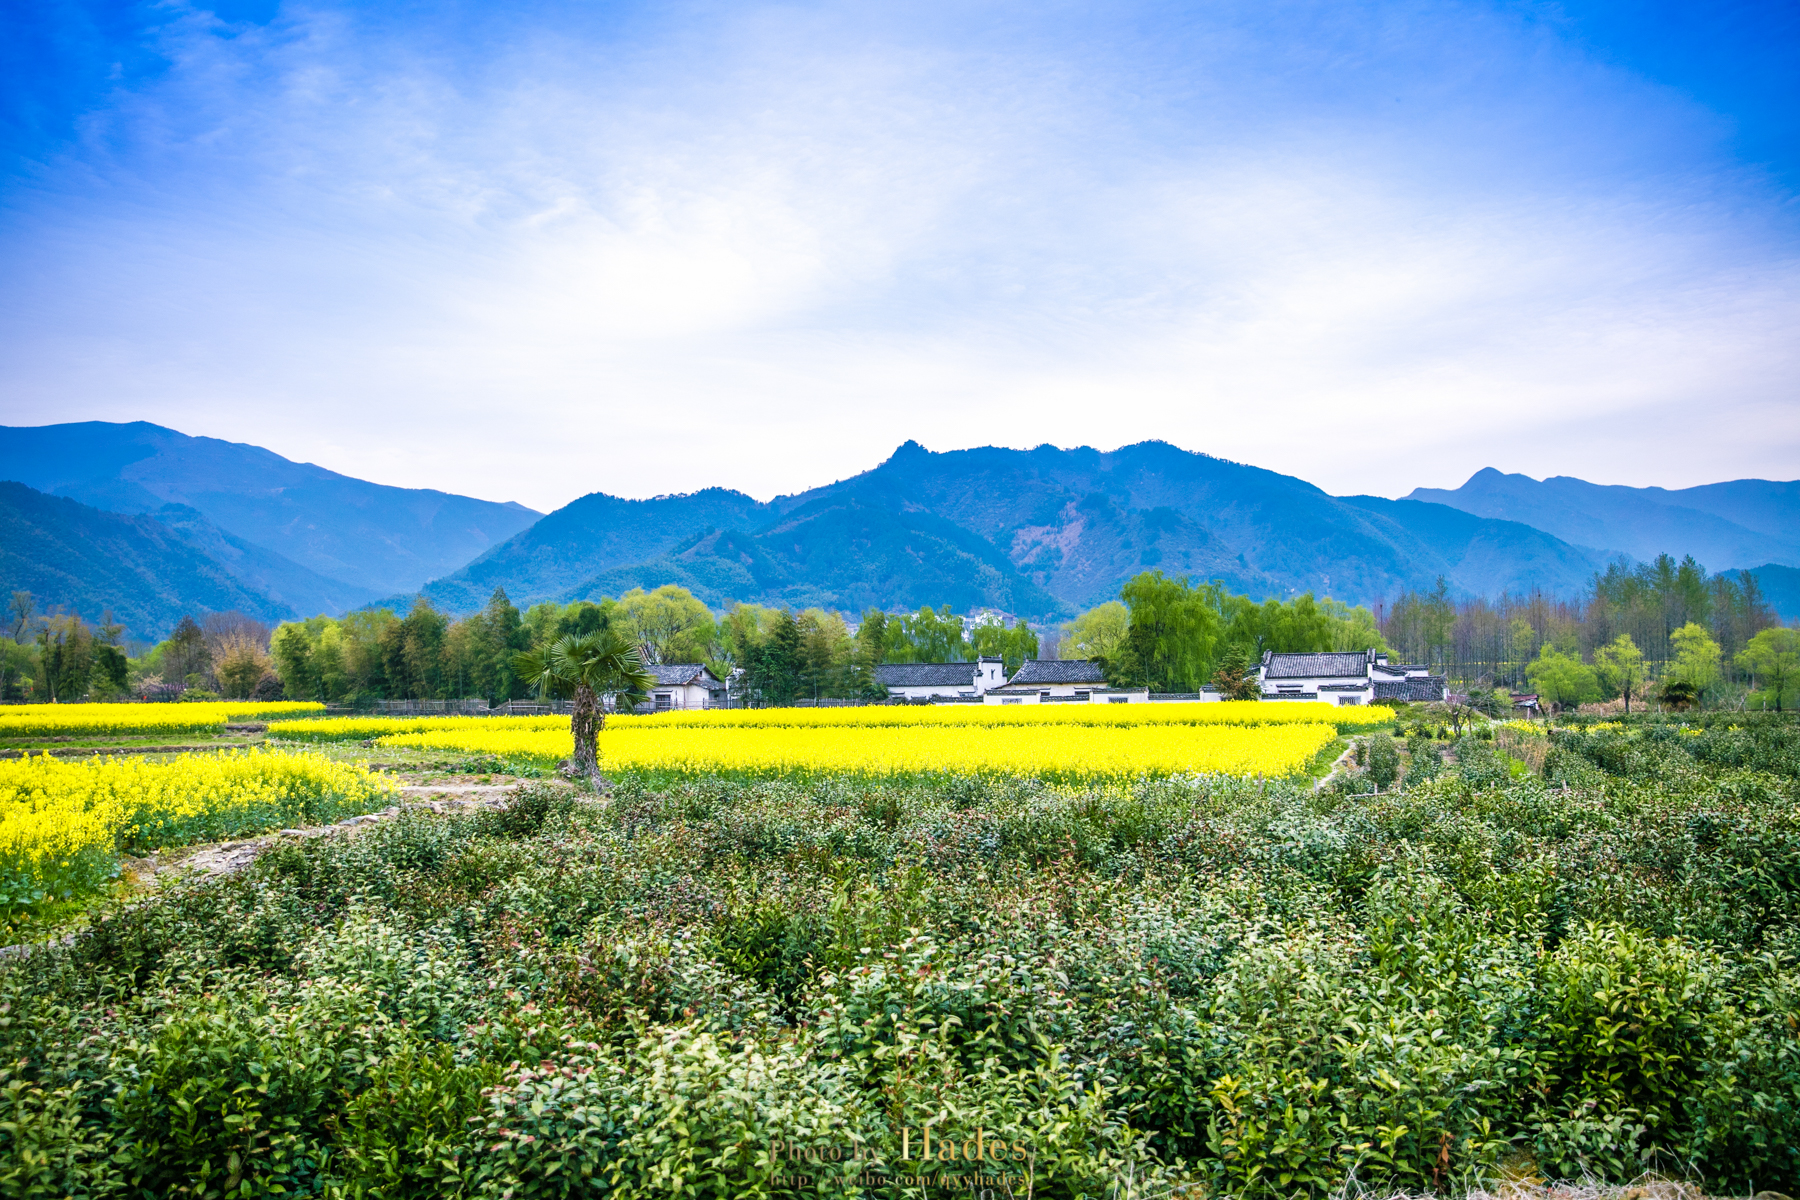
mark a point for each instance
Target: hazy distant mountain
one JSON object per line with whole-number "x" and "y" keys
{"x": 280, "y": 579}
{"x": 377, "y": 539}
{"x": 87, "y": 561}
{"x": 1726, "y": 526}
{"x": 1036, "y": 532}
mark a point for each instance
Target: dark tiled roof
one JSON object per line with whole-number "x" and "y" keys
{"x": 1431, "y": 687}
{"x": 677, "y": 674}
{"x": 1329, "y": 665}
{"x": 950, "y": 675}
{"x": 1048, "y": 671}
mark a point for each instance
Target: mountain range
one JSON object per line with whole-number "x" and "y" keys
{"x": 375, "y": 538}
{"x": 1039, "y": 533}
{"x": 1738, "y": 524}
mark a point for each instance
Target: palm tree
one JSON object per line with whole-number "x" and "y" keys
{"x": 590, "y": 664}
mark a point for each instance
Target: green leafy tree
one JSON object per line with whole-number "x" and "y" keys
{"x": 18, "y": 666}
{"x": 1011, "y": 644}
{"x": 185, "y": 653}
{"x": 66, "y": 656}
{"x": 1696, "y": 660}
{"x": 292, "y": 651}
{"x": 1489, "y": 702}
{"x": 1773, "y": 659}
{"x": 1351, "y": 628}
{"x": 411, "y": 652}
{"x": 871, "y": 649}
{"x": 1620, "y": 666}
{"x": 589, "y": 665}
{"x": 110, "y": 674}
{"x": 1097, "y": 633}
{"x": 929, "y": 635}
{"x": 1169, "y": 644}
{"x": 1563, "y": 679}
{"x": 773, "y": 665}
{"x": 241, "y": 665}
{"x": 1296, "y": 626}
{"x": 581, "y": 616}
{"x": 1384, "y": 761}
{"x": 670, "y": 623}
{"x": 1236, "y": 677}
{"x": 485, "y": 644}
{"x": 823, "y": 654}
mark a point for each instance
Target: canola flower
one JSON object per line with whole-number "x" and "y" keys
{"x": 1245, "y": 712}
{"x": 135, "y": 720}
{"x": 1049, "y": 750}
{"x": 350, "y": 729}
{"x": 1342, "y": 717}
{"x": 64, "y": 824}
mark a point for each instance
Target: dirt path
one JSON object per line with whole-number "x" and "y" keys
{"x": 1349, "y": 752}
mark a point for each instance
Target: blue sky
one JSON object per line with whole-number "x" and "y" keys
{"x": 534, "y": 250}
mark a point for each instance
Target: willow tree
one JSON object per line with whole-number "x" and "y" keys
{"x": 589, "y": 665}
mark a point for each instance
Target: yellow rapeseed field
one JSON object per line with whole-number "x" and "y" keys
{"x": 136, "y": 720}
{"x": 1246, "y": 712}
{"x": 1347, "y": 717}
{"x": 63, "y": 824}
{"x": 348, "y": 729}
{"x": 1051, "y": 749}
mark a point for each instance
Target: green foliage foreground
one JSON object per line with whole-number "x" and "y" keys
{"x": 730, "y": 989}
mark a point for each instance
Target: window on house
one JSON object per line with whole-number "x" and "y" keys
{"x": 1118, "y": 699}
{"x": 1081, "y": 695}
{"x": 664, "y": 699}
{"x": 1349, "y": 699}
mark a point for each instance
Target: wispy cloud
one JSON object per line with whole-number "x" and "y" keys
{"x": 551, "y": 251}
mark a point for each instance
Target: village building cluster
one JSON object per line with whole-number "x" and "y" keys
{"x": 1340, "y": 677}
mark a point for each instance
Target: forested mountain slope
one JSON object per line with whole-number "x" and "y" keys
{"x": 1030, "y": 531}
{"x": 71, "y": 555}
{"x": 589, "y": 536}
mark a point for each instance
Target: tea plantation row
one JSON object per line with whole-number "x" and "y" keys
{"x": 726, "y": 989}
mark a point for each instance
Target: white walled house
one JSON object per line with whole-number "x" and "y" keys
{"x": 940, "y": 681}
{"x": 685, "y": 685}
{"x": 1062, "y": 681}
{"x": 1346, "y": 677}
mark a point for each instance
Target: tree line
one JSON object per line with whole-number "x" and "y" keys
{"x": 1664, "y": 627}
{"x": 771, "y": 655}
{"x": 1713, "y": 638}
{"x": 1178, "y": 635}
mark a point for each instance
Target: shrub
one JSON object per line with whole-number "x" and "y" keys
{"x": 1384, "y": 760}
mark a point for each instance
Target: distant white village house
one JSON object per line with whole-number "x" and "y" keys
{"x": 1335, "y": 677}
{"x": 1069, "y": 681}
{"x": 1346, "y": 677}
{"x": 940, "y": 681}
{"x": 685, "y": 685}
{"x": 1035, "y": 682}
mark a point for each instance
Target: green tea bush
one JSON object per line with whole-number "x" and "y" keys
{"x": 1384, "y": 760}
{"x": 725, "y": 988}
